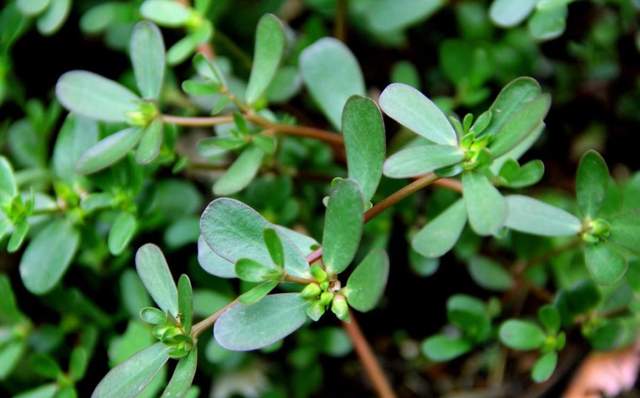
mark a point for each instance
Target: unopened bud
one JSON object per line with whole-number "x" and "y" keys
{"x": 318, "y": 273}
{"x": 310, "y": 291}
{"x": 340, "y": 307}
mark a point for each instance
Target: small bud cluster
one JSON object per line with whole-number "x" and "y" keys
{"x": 595, "y": 231}
{"x": 324, "y": 293}
{"x": 169, "y": 331}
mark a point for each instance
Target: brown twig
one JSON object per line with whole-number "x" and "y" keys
{"x": 340, "y": 28}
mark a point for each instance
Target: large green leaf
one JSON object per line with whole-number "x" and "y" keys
{"x": 146, "y": 49}
{"x": 154, "y": 271}
{"x": 94, "y": 96}
{"x": 364, "y": 142}
{"x": 109, "y": 150}
{"x": 122, "y": 230}
{"x": 521, "y": 335}
{"x": 241, "y": 172}
{"x": 605, "y": 263}
{"x": 530, "y": 215}
{"x": 412, "y": 109}
{"x": 366, "y": 283}
{"x": 129, "y": 378}
{"x": 182, "y": 377}
{"x": 442, "y": 348}
{"x": 330, "y": 85}
{"x": 234, "y": 230}
{"x": 508, "y": 13}
{"x": 342, "y": 225}
{"x": 268, "y": 51}
{"x": 591, "y": 183}
{"x": 76, "y": 136}
{"x": 421, "y": 159}
{"x": 48, "y": 256}
{"x": 442, "y": 233}
{"x": 168, "y": 13}
{"x": 250, "y": 327}
{"x": 485, "y": 205}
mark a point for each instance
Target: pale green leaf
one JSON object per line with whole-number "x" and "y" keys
{"x": 486, "y": 208}
{"x": 154, "y": 271}
{"x": 521, "y": 335}
{"x": 76, "y": 136}
{"x": 146, "y": 49}
{"x": 168, "y": 13}
{"x": 241, "y": 172}
{"x": 548, "y": 23}
{"x": 592, "y": 180}
{"x": 441, "y": 234}
{"x": 213, "y": 263}
{"x": 510, "y": 102}
{"x": 53, "y": 18}
{"x": 393, "y": 15}
{"x": 269, "y": 49}
{"x": 442, "y": 348}
{"x": 532, "y": 216}
{"x": 366, "y": 283}
{"x": 109, "y": 150}
{"x": 604, "y": 263}
{"x": 544, "y": 367}
{"x": 489, "y": 274}
{"x": 508, "y": 13}
{"x": 8, "y": 186}
{"x": 182, "y": 377}
{"x": 121, "y": 233}
{"x": 421, "y": 159}
{"x": 32, "y": 7}
{"x": 150, "y": 142}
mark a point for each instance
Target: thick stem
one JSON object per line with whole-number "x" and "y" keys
{"x": 206, "y": 323}
{"x": 400, "y": 194}
{"x": 340, "y": 28}
{"x": 367, "y": 358}
{"x": 197, "y": 121}
{"x": 300, "y": 131}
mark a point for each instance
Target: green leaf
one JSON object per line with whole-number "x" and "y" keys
{"x": 275, "y": 317}
{"x": 10, "y": 354}
{"x": 544, "y": 367}
{"x": 508, "y": 13}
{"x": 592, "y": 180}
{"x": 342, "y": 225}
{"x": 516, "y": 176}
{"x": 32, "y": 7}
{"x": 405, "y": 72}
{"x": 441, "y": 234}
{"x": 532, "y": 216}
{"x": 234, "y": 230}
{"x": 154, "y": 271}
{"x": 109, "y": 150}
{"x": 521, "y": 335}
{"x": 153, "y": 316}
{"x": 197, "y": 87}
{"x": 8, "y": 186}
{"x": 486, "y": 207}
{"x": 329, "y": 86}
{"x": 286, "y": 83}
{"x": 78, "y": 363}
{"x": 252, "y": 271}
{"x": 511, "y": 101}
{"x": 94, "y": 96}
{"x": 182, "y": 376}
{"x": 412, "y": 109}
{"x": 366, "y": 283}
{"x": 241, "y": 172}
{"x": 364, "y": 142}
{"x": 387, "y": 16}
{"x": 520, "y": 125}
{"x": 274, "y": 245}
{"x": 18, "y": 236}
{"x": 604, "y": 263}
{"x": 517, "y": 151}
{"x": 133, "y": 294}
{"x": 45, "y": 391}
{"x": 213, "y": 263}
{"x": 421, "y": 159}
{"x": 9, "y": 312}
{"x": 625, "y": 231}
{"x": 129, "y": 378}
{"x": 470, "y": 315}
{"x": 548, "y": 23}
{"x": 76, "y": 136}
{"x": 185, "y": 302}
{"x": 549, "y": 318}
{"x": 48, "y": 256}
{"x": 168, "y": 13}
{"x": 442, "y": 348}
{"x": 146, "y": 49}
{"x": 268, "y": 51}
{"x": 122, "y": 230}
{"x": 257, "y": 293}
{"x": 150, "y": 142}
{"x": 489, "y": 274}
{"x": 53, "y": 18}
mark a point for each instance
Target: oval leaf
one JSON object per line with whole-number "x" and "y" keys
{"x": 182, "y": 376}
{"x": 442, "y": 348}
{"x": 489, "y": 274}
{"x": 109, "y": 150}
{"x": 591, "y": 183}
{"x": 442, "y": 233}
{"x": 604, "y": 263}
{"x": 122, "y": 230}
{"x": 421, "y": 159}
{"x": 146, "y": 49}
{"x": 486, "y": 207}
{"x": 150, "y": 143}
{"x": 508, "y": 13}
{"x": 366, "y": 283}
{"x": 241, "y": 172}
{"x": 212, "y": 263}
{"x": 521, "y": 335}
{"x": 532, "y": 216}
{"x": 269, "y": 48}
{"x": 165, "y": 12}
{"x": 154, "y": 271}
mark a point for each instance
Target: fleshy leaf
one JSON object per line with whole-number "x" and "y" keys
{"x": 441, "y": 234}
{"x": 185, "y": 303}
{"x": 109, "y": 150}
{"x": 257, "y": 293}
{"x": 549, "y": 22}
{"x": 241, "y": 172}
{"x": 521, "y": 335}
{"x": 150, "y": 142}
{"x": 154, "y": 271}
{"x": 485, "y": 205}
{"x": 165, "y": 12}
{"x": 489, "y": 274}
{"x": 269, "y": 48}
{"x": 8, "y": 186}
{"x": 54, "y": 16}
{"x": 366, "y": 283}
{"x": 421, "y": 159}
{"x": 250, "y": 327}
{"x": 213, "y": 263}
{"x": 442, "y": 348}
{"x": 182, "y": 377}
{"x": 508, "y": 13}
{"x": 329, "y": 85}
{"x": 122, "y": 230}
{"x": 76, "y": 136}
{"x": 532, "y": 216}
{"x": 544, "y": 367}
{"x": 511, "y": 100}
{"x": 591, "y": 183}
{"x": 147, "y": 56}
{"x": 604, "y": 263}
{"x": 342, "y": 225}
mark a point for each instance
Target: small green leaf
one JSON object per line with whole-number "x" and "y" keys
{"x": 48, "y": 256}
{"x": 45, "y": 366}
{"x": 592, "y": 180}
{"x": 486, "y": 207}
{"x": 54, "y": 16}
{"x": 9, "y": 312}
{"x": 625, "y": 231}
{"x": 18, "y": 236}
{"x": 252, "y": 271}
{"x": 274, "y": 245}
{"x": 549, "y": 318}
{"x": 154, "y": 271}
{"x": 8, "y": 186}
{"x": 366, "y": 283}
{"x": 342, "y": 225}
{"x": 544, "y": 367}
{"x": 109, "y": 150}
{"x": 364, "y": 140}
{"x": 94, "y": 96}
{"x": 268, "y": 51}
{"x": 442, "y": 348}
{"x": 146, "y": 49}
{"x": 45, "y": 391}
{"x": 150, "y": 142}
{"x": 421, "y": 159}
{"x": 412, "y": 109}
{"x": 441, "y": 234}
{"x": 470, "y": 315}
{"x": 129, "y": 378}
{"x": 185, "y": 303}
{"x": 122, "y": 230}
{"x": 182, "y": 376}
{"x": 516, "y": 176}
{"x": 508, "y": 13}
{"x": 389, "y": 16}
{"x": 257, "y": 293}
{"x": 153, "y": 316}
{"x": 532, "y": 216}
{"x": 32, "y": 7}
{"x": 165, "y": 12}
{"x": 241, "y": 172}
{"x": 489, "y": 274}
{"x": 10, "y": 354}
{"x": 275, "y": 317}
{"x": 76, "y": 136}
{"x": 78, "y": 363}
{"x": 604, "y": 263}
{"x": 329, "y": 86}
{"x": 521, "y": 335}
{"x": 548, "y": 23}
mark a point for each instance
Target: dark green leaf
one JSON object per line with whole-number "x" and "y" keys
{"x": 274, "y": 245}
{"x": 366, "y": 283}
{"x": 549, "y": 318}
{"x": 625, "y": 230}
{"x": 185, "y": 302}
{"x": 268, "y": 51}
{"x": 257, "y": 293}
{"x": 252, "y": 271}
